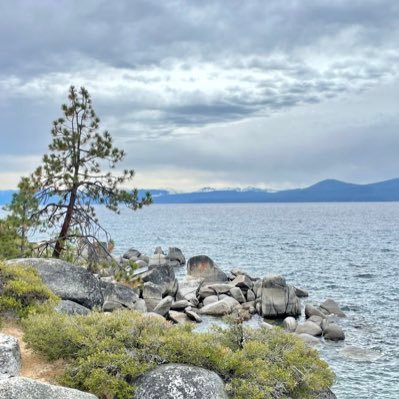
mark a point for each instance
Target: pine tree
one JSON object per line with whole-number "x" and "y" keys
{"x": 77, "y": 173}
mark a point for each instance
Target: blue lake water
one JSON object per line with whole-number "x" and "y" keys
{"x": 345, "y": 251}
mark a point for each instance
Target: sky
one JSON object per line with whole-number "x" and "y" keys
{"x": 272, "y": 94}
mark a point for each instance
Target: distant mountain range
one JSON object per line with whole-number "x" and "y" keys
{"x": 324, "y": 191}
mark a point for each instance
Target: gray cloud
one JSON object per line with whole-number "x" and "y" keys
{"x": 195, "y": 77}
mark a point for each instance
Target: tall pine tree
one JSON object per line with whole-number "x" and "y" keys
{"x": 77, "y": 173}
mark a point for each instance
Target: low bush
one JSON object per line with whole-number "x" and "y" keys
{"x": 106, "y": 352}
{"x": 22, "y": 291}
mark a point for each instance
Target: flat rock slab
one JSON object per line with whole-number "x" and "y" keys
{"x": 176, "y": 381}
{"x": 10, "y": 357}
{"x": 25, "y": 388}
{"x": 66, "y": 280}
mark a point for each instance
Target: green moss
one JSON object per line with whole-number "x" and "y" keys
{"x": 105, "y": 352}
{"x": 22, "y": 291}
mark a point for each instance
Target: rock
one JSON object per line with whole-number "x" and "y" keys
{"x": 131, "y": 253}
{"x": 10, "y": 357}
{"x": 178, "y": 381}
{"x": 237, "y": 294}
{"x": 309, "y": 340}
{"x": 68, "y": 281}
{"x": 278, "y": 299}
{"x": 311, "y": 310}
{"x": 180, "y": 305}
{"x": 163, "y": 306}
{"x": 152, "y": 291}
{"x": 175, "y": 254}
{"x": 178, "y": 317}
{"x": 361, "y": 354}
{"x": 159, "y": 251}
{"x": 205, "y": 291}
{"x": 202, "y": 266}
{"x": 317, "y": 320}
{"x": 232, "y": 302}
{"x": 309, "y": 328}
{"x": 140, "y": 306}
{"x": 144, "y": 258}
{"x": 71, "y": 308}
{"x": 243, "y": 281}
{"x": 141, "y": 264}
{"x": 250, "y": 296}
{"x": 333, "y": 332}
{"x": 164, "y": 277}
{"x": 220, "y": 308}
{"x": 301, "y": 293}
{"x": 117, "y": 296}
{"x": 158, "y": 260}
{"x": 25, "y": 388}
{"x": 325, "y": 394}
{"x": 220, "y": 288}
{"x": 257, "y": 288}
{"x": 332, "y": 308}
{"x": 236, "y": 271}
{"x": 290, "y": 324}
{"x": 193, "y": 315}
{"x": 210, "y": 299}
{"x": 192, "y": 298}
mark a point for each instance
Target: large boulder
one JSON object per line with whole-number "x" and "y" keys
{"x": 311, "y": 310}
{"x": 66, "y": 280}
{"x": 175, "y": 254}
{"x": 243, "y": 281}
{"x": 178, "y": 381}
{"x": 10, "y": 357}
{"x": 164, "y": 306}
{"x": 131, "y": 253}
{"x": 71, "y": 308}
{"x": 203, "y": 267}
{"x": 308, "y": 327}
{"x": 278, "y": 299}
{"x": 118, "y": 296}
{"x": 25, "y": 388}
{"x": 220, "y": 308}
{"x": 333, "y": 332}
{"x": 164, "y": 277}
{"x": 290, "y": 324}
{"x": 331, "y": 307}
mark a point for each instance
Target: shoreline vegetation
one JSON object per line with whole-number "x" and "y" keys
{"x": 107, "y": 336}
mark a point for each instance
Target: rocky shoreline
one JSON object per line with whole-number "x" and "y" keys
{"x": 205, "y": 291}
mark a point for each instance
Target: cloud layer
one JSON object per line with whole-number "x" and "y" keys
{"x": 210, "y": 93}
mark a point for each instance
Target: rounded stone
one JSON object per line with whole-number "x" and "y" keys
{"x": 177, "y": 381}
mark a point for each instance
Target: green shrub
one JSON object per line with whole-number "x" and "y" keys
{"x": 105, "y": 352}
{"x": 22, "y": 291}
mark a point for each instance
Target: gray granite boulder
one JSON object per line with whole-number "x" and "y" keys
{"x": 10, "y": 357}
{"x": 164, "y": 277}
{"x": 308, "y": 327}
{"x": 333, "y": 332}
{"x": 25, "y": 388}
{"x": 203, "y": 267}
{"x": 164, "y": 306}
{"x": 178, "y": 381}
{"x": 176, "y": 254}
{"x": 118, "y": 296}
{"x": 331, "y": 307}
{"x": 71, "y": 308}
{"x": 243, "y": 281}
{"x": 278, "y": 299}
{"x": 220, "y": 308}
{"x": 237, "y": 294}
{"x": 290, "y": 324}
{"x": 311, "y": 310}
{"x": 131, "y": 253}
{"x": 66, "y": 280}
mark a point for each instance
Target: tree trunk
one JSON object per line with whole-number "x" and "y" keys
{"x": 65, "y": 226}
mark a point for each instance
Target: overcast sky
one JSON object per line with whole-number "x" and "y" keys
{"x": 209, "y": 93}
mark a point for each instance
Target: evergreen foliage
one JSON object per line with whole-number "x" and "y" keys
{"x": 77, "y": 173}
{"x": 106, "y": 352}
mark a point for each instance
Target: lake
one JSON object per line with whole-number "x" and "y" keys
{"x": 345, "y": 251}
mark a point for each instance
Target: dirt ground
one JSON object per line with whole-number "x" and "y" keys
{"x": 33, "y": 365}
